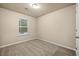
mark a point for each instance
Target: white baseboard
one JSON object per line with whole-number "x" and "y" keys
{"x": 40, "y": 39}
{"x": 60, "y": 45}
{"x": 16, "y": 43}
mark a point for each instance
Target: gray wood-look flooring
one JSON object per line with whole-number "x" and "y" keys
{"x": 35, "y": 48}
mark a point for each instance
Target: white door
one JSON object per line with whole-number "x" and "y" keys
{"x": 77, "y": 29}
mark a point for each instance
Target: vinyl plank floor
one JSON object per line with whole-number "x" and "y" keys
{"x": 35, "y": 48}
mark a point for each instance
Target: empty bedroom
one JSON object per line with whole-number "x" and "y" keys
{"x": 37, "y": 29}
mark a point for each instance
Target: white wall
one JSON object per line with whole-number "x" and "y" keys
{"x": 9, "y": 30}
{"x": 58, "y": 27}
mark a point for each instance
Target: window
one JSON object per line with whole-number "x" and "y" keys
{"x": 23, "y": 26}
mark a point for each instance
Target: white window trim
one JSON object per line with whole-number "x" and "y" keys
{"x": 26, "y": 33}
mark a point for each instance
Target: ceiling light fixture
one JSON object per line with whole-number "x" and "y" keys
{"x": 35, "y": 5}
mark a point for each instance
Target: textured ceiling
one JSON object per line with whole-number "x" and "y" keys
{"x": 25, "y": 8}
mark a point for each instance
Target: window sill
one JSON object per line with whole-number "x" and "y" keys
{"x": 24, "y": 34}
